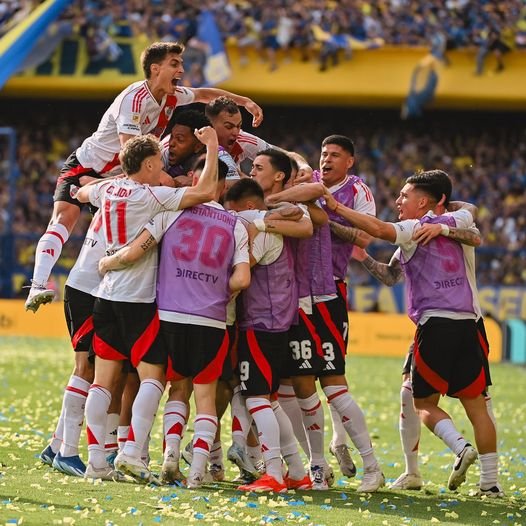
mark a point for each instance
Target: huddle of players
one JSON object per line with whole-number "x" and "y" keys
{"x": 289, "y": 301}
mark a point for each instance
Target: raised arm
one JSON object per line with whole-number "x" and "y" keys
{"x": 205, "y": 188}
{"x": 369, "y": 224}
{"x": 207, "y": 94}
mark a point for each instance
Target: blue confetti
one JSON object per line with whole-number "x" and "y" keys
{"x": 296, "y": 503}
{"x": 326, "y": 507}
{"x": 199, "y": 516}
{"x": 251, "y": 505}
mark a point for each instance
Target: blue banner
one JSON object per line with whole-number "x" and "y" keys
{"x": 216, "y": 68}
{"x": 18, "y": 43}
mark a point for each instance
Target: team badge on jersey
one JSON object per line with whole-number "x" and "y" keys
{"x": 168, "y": 111}
{"x": 136, "y": 118}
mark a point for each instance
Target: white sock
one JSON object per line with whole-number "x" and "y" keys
{"x": 174, "y": 420}
{"x": 122, "y": 436}
{"x": 409, "y": 428}
{"x": 268, "y": 433}
{"x": 354, "y": 423}
{"x": 205, "y": 428}
{"x": 216, "y": 454}
{"x": 112, "y": 437}
{"x": 48, "y": 251}
{"x": 240, "y": 418}
{"x": 97, "y": 404}
{"x": 489, "y": 470}
{"x": 446, "y": 431}
{"x": 313, "y": 420}
{"x": 288, "y": 444}
{"x": 73, "y": 407}
{"x": 143, "y": 414}
{"x": 339, "y": 435}
{"x": 289, "y": 403}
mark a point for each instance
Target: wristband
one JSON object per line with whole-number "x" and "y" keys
{"x": 260, "y": 224}
{"x": 444, "y": 230}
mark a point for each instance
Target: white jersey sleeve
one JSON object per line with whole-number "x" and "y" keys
{"x": 250, "y": 145}
{"x": 184, "y": 95}
{"x": 404, "y": 233}
{"x": 129, "y": 117}
{"x": 463, "y": 218}
{"x": 363, "y": 199}
{"x": 241, "y": 247}
{"x": 169, "y": 198}
{"x": 266, "y": 248}
{"x": 96, "y": 192}
{"x": 160, "y": 223}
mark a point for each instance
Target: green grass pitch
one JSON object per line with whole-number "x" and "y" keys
{"x": 33, "y": 373}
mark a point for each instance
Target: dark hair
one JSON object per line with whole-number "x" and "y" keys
{"x": 294, "y": 164}
{"x": 136, "y": 150}
{"x": 340, "y": 140}
{"x": 156, "y": 53}
{"x": 434, "y": 183}
{"x": 222, "y": 168}
{"x": 190, "y": 118}
{"x": 279, "y": 160}
{"x": 244, "y": 189}
{"x": 219, "y": 104}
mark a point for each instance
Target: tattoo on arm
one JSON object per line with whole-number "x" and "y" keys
{"x": 345, "y": 233}
{"x": 465, "y": 236}
{"x": 148, "y": 244}
{"x": 387, "y": 274}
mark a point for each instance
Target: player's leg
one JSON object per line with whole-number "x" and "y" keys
{"x": 140, "y": 322}
{"x": 409, "y": 427}
{"x": 66, "y": 211}
{"x": 259, "y": 357}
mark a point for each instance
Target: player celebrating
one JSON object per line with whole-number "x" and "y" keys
{"x": 440, "y": 298}
{"x": 143, "y": 107}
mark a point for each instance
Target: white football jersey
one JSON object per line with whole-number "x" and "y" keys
{"x": 134, "y": 112}
{"x": 84, "y": 275}
{"x": 247, "y": 146}
{"x": 126, "y": 206}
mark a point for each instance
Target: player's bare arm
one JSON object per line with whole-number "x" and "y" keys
{"x": 369, "y": 224}
{"x": 129, "y": 254}
{"x": 301, "y": 229}
{"x": 208, "y": 94}
{"x": 240, "y": 278}
{"x": 453, "y": 206}
{"x": 467, "y": 236}
{"x": 317, "y": 214}
{"x": 388, "y": 273}
{"x": 350, "y": 234}
{"x": 302, "y": 193}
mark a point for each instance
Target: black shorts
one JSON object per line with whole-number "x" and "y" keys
{"x": 483, "y": 340}
{"x": 78, "y": 309}
{"x": 305, "y": 356}
{"x": 127, "y": 331}
{"x": 448, "y": 359}
{"x": 70, "y": 175}
{"x": 332, "y": 325}
{"x": 261, "y": 357}
{"x": 230, "y": 363}
{"x": 194, "y": 351}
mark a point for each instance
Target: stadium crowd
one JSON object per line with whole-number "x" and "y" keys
{"x": 318, "y": 28}
{"x": 488, "y": 167}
